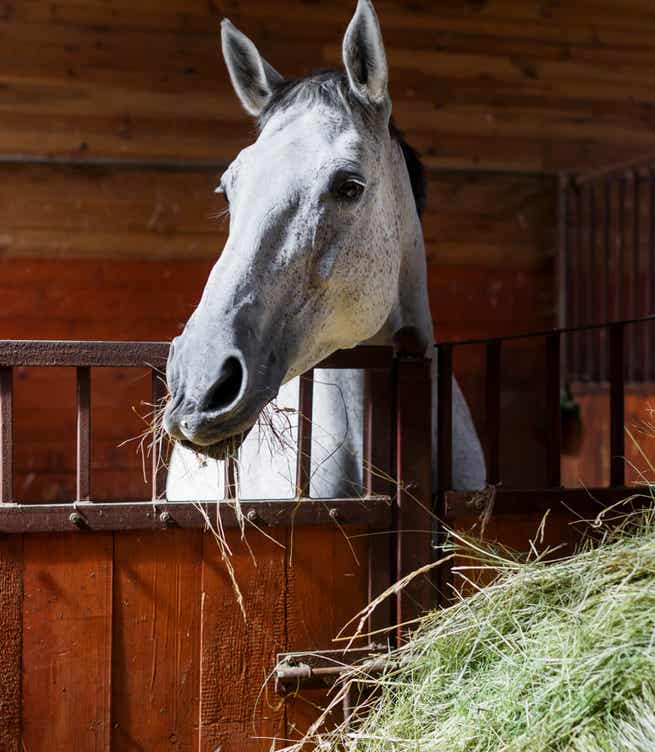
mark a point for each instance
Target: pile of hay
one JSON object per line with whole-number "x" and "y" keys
{"x": 549, "y": 657}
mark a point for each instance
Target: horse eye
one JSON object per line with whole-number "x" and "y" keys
{"x": 351, "y": 190}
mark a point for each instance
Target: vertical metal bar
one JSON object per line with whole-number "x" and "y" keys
{"x": 304, "y": 457}
{"x": 229, "y": 468}
{"x": 492, "y": 416}
{"x": 579, "y": 295}
{"x": 563, "y": 261}
{"x": 6, "y": 435}
{"x": 445, "y": 417}
{"x": 83, "y": 468}
{"x": 619, "y": 277}
{"x": 347, "y": 704}
{"x": 606, "y": 284}
{"x": 649, "y": 283}
{"x": 414, "y": 476}
{"x": 617, "y": 406}
{"x": 636, "y": 242}
{"x": 378, "y": 479}
{"x": 157, "y": 457}
{"x": 443, "y": 578}
{"x": 554, "y": 422}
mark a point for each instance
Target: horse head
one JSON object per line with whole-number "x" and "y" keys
{"x": 312, "y": 262}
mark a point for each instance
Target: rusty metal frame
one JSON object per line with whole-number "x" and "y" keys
{"x": 87, "y": 513}
{"x": 94, "y": 516}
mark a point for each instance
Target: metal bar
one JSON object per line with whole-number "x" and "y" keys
{"x": 650, "y": 283}
{"x": 322, "y": 668}
{"x": 304, "y": 446}
{"x": 230, "y": 470}
{"x": 372, "y": 513}
{"x": 617, "y": 406}
{"x": 78, "y": 354}
{"x": 633, "y": 350}
{"x": 148, "y": 354}
{"x": 378, "y": 477}
{"x": 443, "y": 577}
{"x": 564, "y": 257}
{"x": 545, "y": 332}
{"x": 413, "y": 475}
{"x": 159, "y": 441}
{"x": 580, "y": 503}
{"x": 579, "y": 299}
{"x": 83, "y": 465}
{"x": 619, "y": 271}
{"x": 592, "y": 291}
{"x": 553, "y": 419}
{"x": 492, "y": 417}
{"x": 445, "y": 417}
{"x": 606, "y": 285}
{"x": 6, "y": 435}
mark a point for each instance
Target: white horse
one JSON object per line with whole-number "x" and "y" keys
{"x": 325, "y": 251}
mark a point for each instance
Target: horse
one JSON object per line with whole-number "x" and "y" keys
{"x": 325, "y": 252}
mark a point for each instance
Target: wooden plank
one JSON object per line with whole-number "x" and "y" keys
{"x": 504, "y": 86}
{"x": 327, "y": 586}
{"x": 237, "y": 654}
{"x": 67, "y": 642}
{"x": 11, "y": 626}
{"x": 156, "y": 643}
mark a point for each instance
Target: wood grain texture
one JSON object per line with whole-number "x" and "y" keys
{"x": 11, "y": 626}
{"x": 67, "y": 642}
{"x": 497, "y": 83}
{"x": 238, "y": 713}
{"x": 320, "y": 562}
{"x": 589, "y": 465}
{"x": 156, "y": 641}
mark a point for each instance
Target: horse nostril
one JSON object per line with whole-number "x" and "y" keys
{"x": 226, "y": 388}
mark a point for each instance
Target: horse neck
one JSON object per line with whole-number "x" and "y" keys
{"x": 412, "y": 306}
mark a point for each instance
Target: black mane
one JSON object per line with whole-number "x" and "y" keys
{"x": 332, "y": 88}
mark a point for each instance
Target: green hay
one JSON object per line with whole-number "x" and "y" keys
{"x": 548, "y": 657}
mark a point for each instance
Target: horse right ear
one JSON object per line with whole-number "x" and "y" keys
{"x": 252, "y": 77}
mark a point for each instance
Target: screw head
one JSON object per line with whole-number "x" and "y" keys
{"x": 77, "y": 519}
{"x": 165, "y": 518}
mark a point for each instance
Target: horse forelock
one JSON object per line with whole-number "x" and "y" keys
{"x": 331, "y": 88}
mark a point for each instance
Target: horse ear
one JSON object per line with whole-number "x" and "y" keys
{"x": 252, "y": 77}
{"x": 364, "y": 56}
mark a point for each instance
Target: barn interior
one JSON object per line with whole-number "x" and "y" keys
{"x": 535, "y": 122}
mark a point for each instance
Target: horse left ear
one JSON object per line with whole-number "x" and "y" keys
{"x": 252, "y": 77}
{"x": 364, "y": 56}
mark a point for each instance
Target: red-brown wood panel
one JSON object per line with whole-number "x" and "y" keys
{"x": 589, "y": 462}
{"x": 327, "y": 585}
{"x": 238, "y": 710}
{"x": 156, "y": 641}
{"x": 67, "y": 616}
{"x": 11, "y": 627}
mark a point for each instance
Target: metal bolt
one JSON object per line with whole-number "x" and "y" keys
{"x": 252, "y": 516}
{"x": 77, "y": 519}
{"x": 335, "y": 514}
{"x": 165, "y": 518}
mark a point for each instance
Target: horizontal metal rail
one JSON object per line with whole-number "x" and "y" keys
{"x": 540, "y": 333}
{"x": 370, "y": 512}
{"x": 320, "y": 669}
{"x": 584, "y": 503}
{"x": 29, "y": 353}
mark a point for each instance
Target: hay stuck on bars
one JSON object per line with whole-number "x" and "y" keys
{"x": 548, "y": 657}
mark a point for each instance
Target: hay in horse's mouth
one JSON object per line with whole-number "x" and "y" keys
{"x": 221, "y": 450}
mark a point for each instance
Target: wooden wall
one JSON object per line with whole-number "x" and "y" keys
{"x": 115, "y": 121}
{"x": 511, "y": 84}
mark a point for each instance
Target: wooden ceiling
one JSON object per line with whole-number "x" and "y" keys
{"x": 521, "y": 85}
